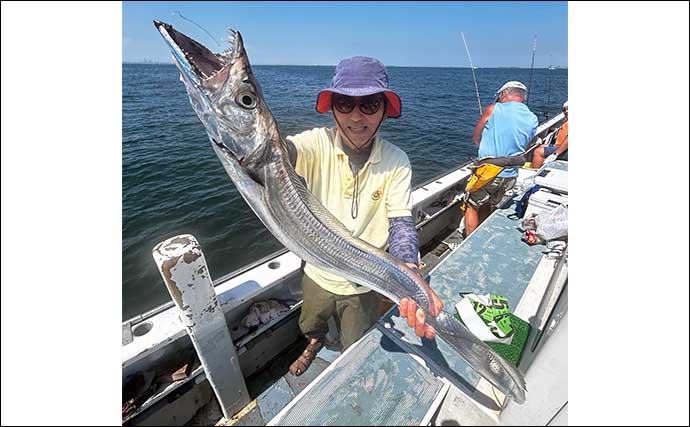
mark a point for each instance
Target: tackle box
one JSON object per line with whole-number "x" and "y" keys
{"x": 543, "y": 201}
{"x": 554, "y": 178}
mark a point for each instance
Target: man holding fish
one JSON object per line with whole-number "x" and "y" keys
{"x": 365, "y": 182}
{"x": 335, "y": 220}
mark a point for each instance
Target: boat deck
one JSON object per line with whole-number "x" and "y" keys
{"x": 391, "y": 376}
{"x": 377, "y": 378}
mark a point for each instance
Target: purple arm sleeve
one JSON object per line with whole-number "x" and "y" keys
{"x": 403, "y": 242}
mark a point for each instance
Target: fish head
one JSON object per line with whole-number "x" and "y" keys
{"x": 225, "y": 95}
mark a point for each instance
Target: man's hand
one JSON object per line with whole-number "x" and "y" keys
{"x": 416, "y": 318}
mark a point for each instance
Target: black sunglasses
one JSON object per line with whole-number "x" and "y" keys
{"x": 367, "y": 105}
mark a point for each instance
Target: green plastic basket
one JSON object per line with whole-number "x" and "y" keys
{"x": 511, "y": 352}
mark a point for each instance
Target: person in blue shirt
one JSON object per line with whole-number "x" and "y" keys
{"x": 504, "y": 129}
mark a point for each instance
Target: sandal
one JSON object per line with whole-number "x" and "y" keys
{"x": 304, "y": 360}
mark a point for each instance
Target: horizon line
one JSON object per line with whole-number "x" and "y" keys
{"x": 148, "y": 62}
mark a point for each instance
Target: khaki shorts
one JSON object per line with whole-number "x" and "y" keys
{"x": 492, "y": 192}
{"x": 354, "y": 314}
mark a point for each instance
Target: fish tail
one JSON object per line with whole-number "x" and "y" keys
{"x": 502, "y": 374}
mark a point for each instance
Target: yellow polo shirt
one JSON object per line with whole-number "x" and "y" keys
{"x": 384, "y": 191}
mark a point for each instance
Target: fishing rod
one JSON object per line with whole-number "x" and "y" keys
{"x": 474, "y": 77}
{"x": 548, "y": 91}
{"x": 529, "y": 84}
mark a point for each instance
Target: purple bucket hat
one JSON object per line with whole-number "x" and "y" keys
{"x": 360, "y": 76}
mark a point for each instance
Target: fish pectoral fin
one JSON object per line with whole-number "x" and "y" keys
{"x": 258, "y": 178}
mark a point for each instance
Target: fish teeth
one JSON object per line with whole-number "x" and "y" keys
{"x": 230, "y": 37}
{"x": 215, "y": 74}
{"x": 189, "y": 56}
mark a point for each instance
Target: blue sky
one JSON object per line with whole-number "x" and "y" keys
{"x": 499, "y": 34}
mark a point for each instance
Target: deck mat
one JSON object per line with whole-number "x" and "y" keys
{"x": 377, "y": 383}
{"x": 492, "y": 259}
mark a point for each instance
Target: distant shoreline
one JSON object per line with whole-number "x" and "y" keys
{"x": 388, "y": 66}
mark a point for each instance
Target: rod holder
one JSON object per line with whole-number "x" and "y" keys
{"x": 183, "y": 268}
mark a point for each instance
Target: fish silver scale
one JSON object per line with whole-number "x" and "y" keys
{"x": 346, "y": 258}
{"x": 358, "y": 257}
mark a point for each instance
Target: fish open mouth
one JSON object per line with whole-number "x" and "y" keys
{"x": 203, "y": 62}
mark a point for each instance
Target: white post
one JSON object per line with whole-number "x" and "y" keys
{"x": 183, "y": 267}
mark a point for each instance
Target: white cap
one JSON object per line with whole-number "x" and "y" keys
{"x": 512, "y": 84}
{"x": 565, "y": 104}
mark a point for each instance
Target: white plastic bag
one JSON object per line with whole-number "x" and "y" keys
{"x": 486, "y": 316}
{"x": 263, "y": 312}
{"x": 552, "y": 224}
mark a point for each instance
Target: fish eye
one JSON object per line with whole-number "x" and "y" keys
{"x": 246, "y": 100}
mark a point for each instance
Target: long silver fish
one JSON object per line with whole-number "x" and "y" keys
{"x": 228, "y": 101}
